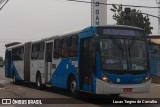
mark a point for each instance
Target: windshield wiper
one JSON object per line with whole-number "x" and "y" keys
{"x": 118, "y": 44}
{"x": 130, "y": 46}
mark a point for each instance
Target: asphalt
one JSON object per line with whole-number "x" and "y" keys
{"x": 155, "y": 79}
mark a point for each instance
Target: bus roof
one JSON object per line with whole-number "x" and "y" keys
{"x": 14, "y": 46}
{"x": 121, "y": 26}
{"x": 61, "y": 35}
{"x": 17, "y": 44}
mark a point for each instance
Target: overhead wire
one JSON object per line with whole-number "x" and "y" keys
{"x": 115, "y": 4}
{"x": 120, "y": 5}
{"x": 3, "y": 4}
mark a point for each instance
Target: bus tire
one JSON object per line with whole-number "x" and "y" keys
{"x": 38, "y": 81}
{"x": 72, "y": 86}
{"x": 14, "y": 78}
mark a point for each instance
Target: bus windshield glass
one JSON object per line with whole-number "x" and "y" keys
{"x": 123, "y": 54}
{"x": 123, "y": 49}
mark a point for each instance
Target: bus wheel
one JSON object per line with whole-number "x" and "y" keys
{"x": 39, "y": 81}
{"x": 14, "y": 78}
{"x": 73, "y": 87}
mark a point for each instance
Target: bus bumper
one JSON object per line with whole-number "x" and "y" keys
{"x": 103, "y": 87}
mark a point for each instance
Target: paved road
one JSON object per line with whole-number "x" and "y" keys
{"x": 27, "y": 90}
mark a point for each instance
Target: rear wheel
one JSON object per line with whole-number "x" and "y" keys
{"x": 14, "y": 78}
{"x": 73, "y": 86}
{"x": 39, "y": 81}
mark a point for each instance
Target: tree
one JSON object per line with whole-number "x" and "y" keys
{"x": 136, "y": 18}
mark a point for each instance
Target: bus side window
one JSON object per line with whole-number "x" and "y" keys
{"x": 73, "y": 46}
{"x": 18, "y": 53}
{"x": 41, "y": 51}
{"x": 21, "y": 53}
{"x": 14, "y": 54}
{"x": 65, "y": 47}
{"x": 48, "y": 54}
{"x": 34, "y": 52}
{"x": 57, "y": 48}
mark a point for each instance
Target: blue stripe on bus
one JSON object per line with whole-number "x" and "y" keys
{"x": 14, "y": 70}
{"x": 59, "y": 77}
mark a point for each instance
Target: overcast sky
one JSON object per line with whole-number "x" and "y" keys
{"x": 25, "y": 20}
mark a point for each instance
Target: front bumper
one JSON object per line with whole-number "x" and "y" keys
{"x": 103, "y": 87}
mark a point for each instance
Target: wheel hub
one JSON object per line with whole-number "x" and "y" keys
{"x": 73, "y": 86}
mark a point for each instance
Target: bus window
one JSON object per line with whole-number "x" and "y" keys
{"x": 57, "y": 48}
{"x": 17, "y": 54}
{"x": 49, "y": 49}
{"x": 34, "y": 52}
{"x": 14, "y": 55}
{"x": 21, "y": 53}
{"x": 65, "y": 47}
{"x": 73, "y": 46}
{"x": 41, "y": 51}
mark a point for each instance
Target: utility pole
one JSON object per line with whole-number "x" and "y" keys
{"x": 98, "y": 12}
{"x": 158, "y": 2}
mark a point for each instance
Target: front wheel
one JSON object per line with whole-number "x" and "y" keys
{"x": 39, "y": 81}
{"x": 73, "y": 87}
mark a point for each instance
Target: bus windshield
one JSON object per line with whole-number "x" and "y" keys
{"x": 123, "y": 54}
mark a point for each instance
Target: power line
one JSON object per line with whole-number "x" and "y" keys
{"x": 3, "y": 4}
{"x": 115, "y": 4}
{"x": 151, "y": 15}
{"x": 122, "y": 5}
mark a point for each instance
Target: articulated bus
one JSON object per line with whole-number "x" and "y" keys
{"x": 108, "y": 59}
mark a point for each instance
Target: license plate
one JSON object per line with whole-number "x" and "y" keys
{"x": 127, "y": 89}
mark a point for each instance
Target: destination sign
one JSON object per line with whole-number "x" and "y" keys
{"x": 120, "y": 32}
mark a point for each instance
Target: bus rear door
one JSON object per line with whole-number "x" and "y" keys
{"x": 27, "y": 55}
{"x": 48, "y": 61}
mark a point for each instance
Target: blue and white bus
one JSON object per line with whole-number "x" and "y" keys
{"x": 98, "y": 59}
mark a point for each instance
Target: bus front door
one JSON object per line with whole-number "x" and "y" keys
{"x": 86, "y": 63}
{"x": 48, "y": 61}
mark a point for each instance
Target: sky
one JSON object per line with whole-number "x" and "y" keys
{"x": 29, "y": 20}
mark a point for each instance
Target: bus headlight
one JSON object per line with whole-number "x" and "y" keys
{"x": 106, "y": 79}
{"x": 148, "y": 77}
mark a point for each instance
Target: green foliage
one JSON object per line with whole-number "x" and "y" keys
{"x": 136, "y": 19}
